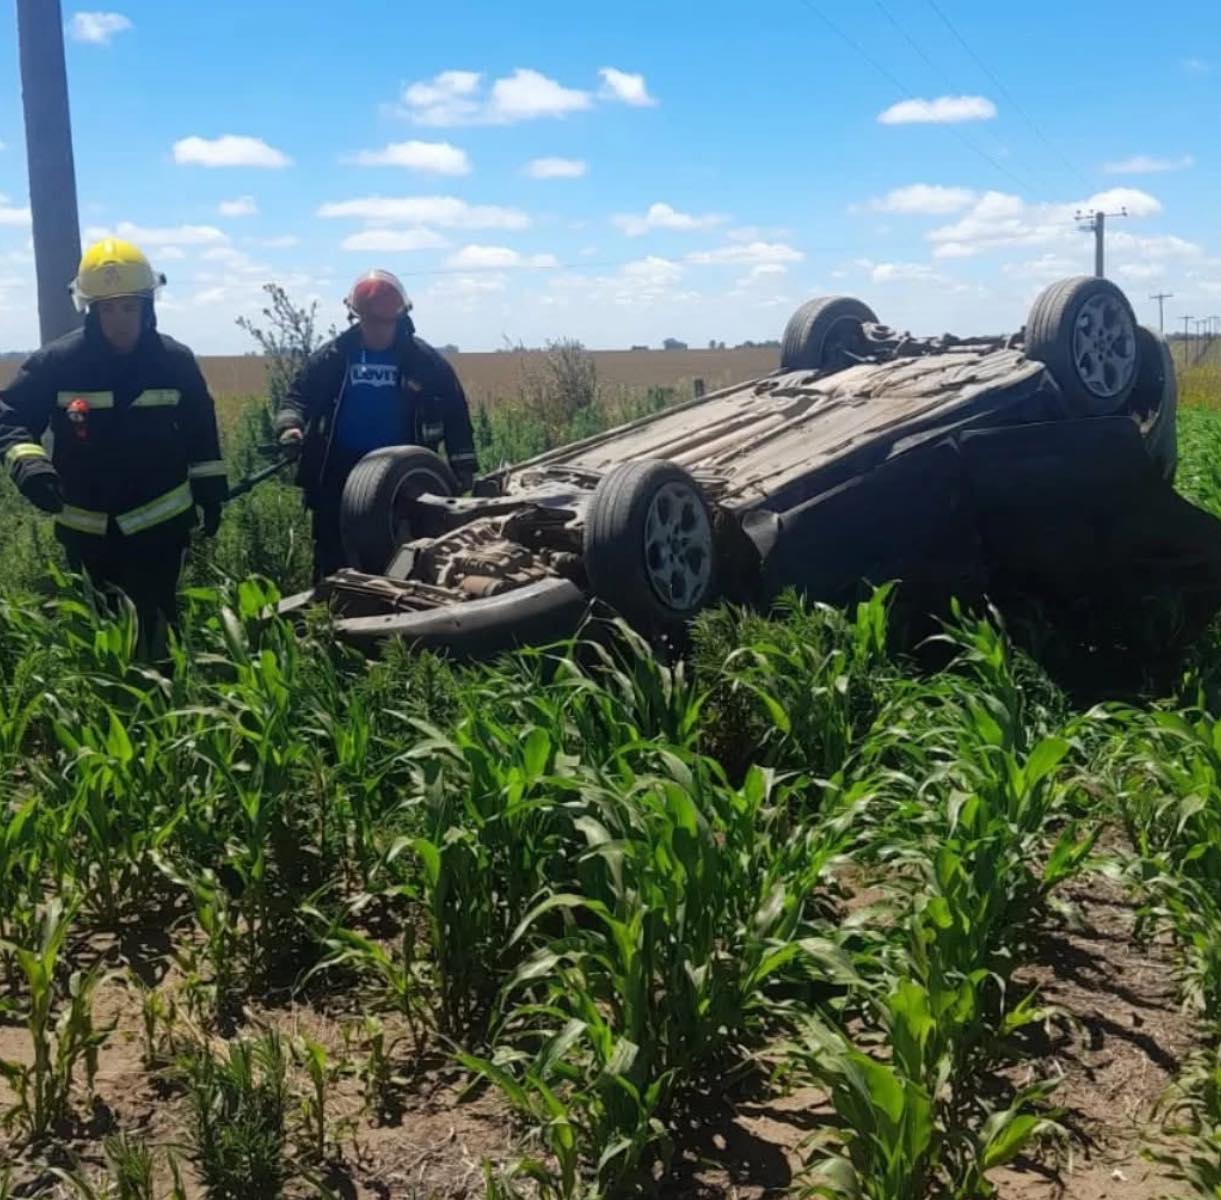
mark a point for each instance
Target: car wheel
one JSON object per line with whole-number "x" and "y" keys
{"x": 1084, "y": 331}
{"x": 1156, "y": 401}
{"x": 821, "y": 330}
{"x": 374, "y": 516}
{"x": 649, "y": 550}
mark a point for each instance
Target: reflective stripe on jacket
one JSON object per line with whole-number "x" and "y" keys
{"x": 135, "y": 440}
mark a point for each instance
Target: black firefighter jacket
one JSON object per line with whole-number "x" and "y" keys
{"x": 429, "y": 389}
{"x": 135, "y": 439}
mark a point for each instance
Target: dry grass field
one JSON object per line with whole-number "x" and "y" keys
{"x": 497, "y": 375}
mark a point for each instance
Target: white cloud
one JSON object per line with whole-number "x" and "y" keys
{"x": 159, "y": 236}
{"x": 449, "y": 212}
{"x": 97, "y": 28}
{"x": 446, "y": 99}
{"x": 748, "y": 253}
{"x": 1196, "y": 66}
{"x": 944, "y": 110}
{"x": 243, "y": 206}
{"x": 10, "y": 214}
{"x": 1144, "y": 164}
{"x": 629, "y": 89}
{"x": 394, "y": 241}
{"x": 526, "y": 95}
{"x": 924, "y": 198}
{"x": 1043, "y": 270}
{"x": 230, "y": 150}
{"x": 1161, "y": 246}
{"x": 436, "y": 158}
{"x": 556, "y": 168}
{"x": 653, "y": 270}
{"x": 663, "y": 216}
{"x": 497, "y": 258}
{"x": 762, "y": 275}
{"x": 455, "y": 98}
{"x": 283, "y": 242}
{"x": 469, "y": 287}
{"x": 903, "y": 272}
{"x": 1138, "y": 203}
{"x": 168, "y": 253}
{"x": 998, "y": 219}
{"x": 235, "y": 262}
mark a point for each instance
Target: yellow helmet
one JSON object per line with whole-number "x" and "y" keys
{"x": 111, "y": 268}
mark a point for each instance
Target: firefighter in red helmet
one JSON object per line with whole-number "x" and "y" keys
{"x": 377, "y": 384}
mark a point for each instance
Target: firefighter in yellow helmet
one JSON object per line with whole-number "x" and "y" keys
{"x": 135, "y": 445}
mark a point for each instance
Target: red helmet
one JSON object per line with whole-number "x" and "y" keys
{"x": 377, "y": 294}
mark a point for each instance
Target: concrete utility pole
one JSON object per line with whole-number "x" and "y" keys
{"x": 48, "y": 142}
{"x": 1161, "y": 298}
{"x": 1096, "y": 223}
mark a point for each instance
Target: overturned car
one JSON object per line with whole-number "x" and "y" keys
{"x": 1042, "y": 461}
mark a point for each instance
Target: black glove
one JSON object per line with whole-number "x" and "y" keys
{"x": 42, "y": 488}
{"x": 211, "y": 519}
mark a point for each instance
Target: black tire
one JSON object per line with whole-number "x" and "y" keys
{"x": 624, "y": 568}
{"x": 1157, "y": 397}
{"x": 820, "y": 329}
{"x": 1052, "y": 335}
{"x": 371, "y": 527}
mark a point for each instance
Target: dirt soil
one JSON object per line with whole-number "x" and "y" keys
{"x": 1122, "y": 1040}
{"x": 1131, "y": 1039}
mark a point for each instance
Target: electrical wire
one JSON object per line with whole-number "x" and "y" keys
{"x": 889, "y": 75}
{"x": 1009, "y": 96}
{"x": 937, "y": 70}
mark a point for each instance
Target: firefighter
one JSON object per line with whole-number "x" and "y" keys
{"x": 377, "y": 384}
{"x": 135, "y": 445}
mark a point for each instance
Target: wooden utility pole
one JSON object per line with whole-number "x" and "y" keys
{"x": 48, "y": 142}
{"x": 1096, "y": 223}
{"x": 1161, "y": 298}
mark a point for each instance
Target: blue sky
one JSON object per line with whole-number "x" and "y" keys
{"x": 626, "y": 172}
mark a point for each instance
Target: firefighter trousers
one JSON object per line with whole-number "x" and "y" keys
{"x": 147, "y": 573}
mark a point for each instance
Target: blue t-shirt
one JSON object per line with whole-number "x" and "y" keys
{"x": 372, "y": 413}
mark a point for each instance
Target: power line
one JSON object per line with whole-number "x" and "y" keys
{"x": 983, "y": 66}
{"x": 890, "y": 77}
{"x": 915, "y": 45}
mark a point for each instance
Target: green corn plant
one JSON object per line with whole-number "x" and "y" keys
{"x": 885, "y": 1147}
{"x": 404, "y": 976}
{"x": 802, "y": 687}
{"x": 215, "y": 917}
{"x": 62, "y": 1033}
{"x": 491, "y": 828}
{"x": 117, "y": 812}
{"x": 380, "y": 1081}
{"x": 323, "y": 1073}
{"x": 692, "y": 909}
{"x": 895, "y": 1140}
{"x": 22, "y": 851}
{"x": 1190, "y": 1110}
{"x": 131, "y": 1171}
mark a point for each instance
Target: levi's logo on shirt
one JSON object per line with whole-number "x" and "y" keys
{"x": 374, "y": 374}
